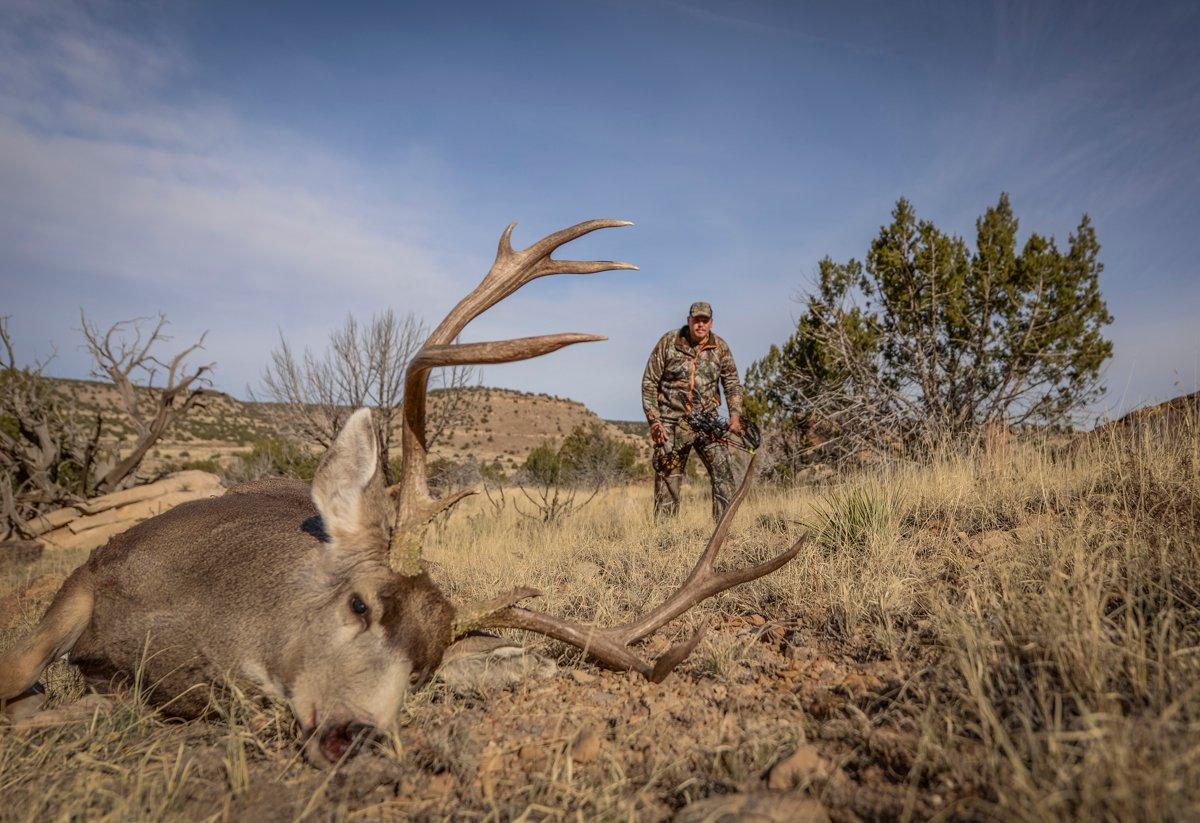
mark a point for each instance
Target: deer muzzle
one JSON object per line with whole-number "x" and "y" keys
{"x": 335, "y": 742}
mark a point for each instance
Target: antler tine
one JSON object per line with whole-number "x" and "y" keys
{"x": 499, "y": 351}
{"x": 415, "y": 506}
{"x": 513, "y": 269}
{"x": 610, "y": 647}
{"x": 702, "y": 582}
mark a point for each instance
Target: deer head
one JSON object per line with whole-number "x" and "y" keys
{"x": 363, "y": 634}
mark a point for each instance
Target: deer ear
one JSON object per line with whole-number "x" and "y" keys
{"x": 346, "y": 485}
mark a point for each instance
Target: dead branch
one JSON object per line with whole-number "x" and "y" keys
{"x": 120, "y": 354}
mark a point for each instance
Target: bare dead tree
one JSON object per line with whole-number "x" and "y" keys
{"x": 453, "y": 391}
{"x": 52, "y": 453}
{"x": 312, "y": 394}
{"x": 497, "y": 503}
{"x": 125, "y": 351}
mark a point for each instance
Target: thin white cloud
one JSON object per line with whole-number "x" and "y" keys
{"x": 103, "y": 172}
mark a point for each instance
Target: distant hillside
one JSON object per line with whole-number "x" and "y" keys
{"x": 1159, "y": 416}
{"x": 634, "y": 428}
{"x": 504, "y": 425}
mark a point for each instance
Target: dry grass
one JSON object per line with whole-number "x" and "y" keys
{"x": 1010, "y": 636}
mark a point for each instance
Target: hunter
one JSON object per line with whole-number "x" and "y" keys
{"x": 684, "y": 376}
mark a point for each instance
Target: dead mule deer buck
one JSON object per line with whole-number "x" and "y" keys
{"x": 318, "y": 597}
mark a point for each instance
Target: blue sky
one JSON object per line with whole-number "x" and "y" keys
{"x": 257, "y": 168}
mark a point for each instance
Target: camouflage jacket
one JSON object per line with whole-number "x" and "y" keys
{"x": 680, "y": 378}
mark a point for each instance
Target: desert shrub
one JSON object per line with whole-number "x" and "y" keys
{"x": 552, "y": 476}
{"x": 311, "y": 394}
{"x": 586, "y": 457}
{"x": 852, "y": 519}
{"x": 493, "y": 472}
{"x": 542, "y": 465}
{"x": 447, "y": 475}
{"x": 273, "y": 457}
{"x": 208, "y": 464}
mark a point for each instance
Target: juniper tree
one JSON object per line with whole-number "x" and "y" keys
{"x": 926, "y": 338}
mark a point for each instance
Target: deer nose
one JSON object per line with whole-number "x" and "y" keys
{"x": 337, "y": 742}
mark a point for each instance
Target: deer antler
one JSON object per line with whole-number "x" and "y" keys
{"x": 415, "y": 506}
{"x": 610, "y": 647}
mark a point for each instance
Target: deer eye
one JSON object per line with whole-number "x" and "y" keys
{"x": 358, "y": 606}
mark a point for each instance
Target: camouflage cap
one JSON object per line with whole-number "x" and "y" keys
{"x": 700, "y": 309}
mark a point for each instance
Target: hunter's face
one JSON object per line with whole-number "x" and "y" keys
{"x": 700, "y": 326}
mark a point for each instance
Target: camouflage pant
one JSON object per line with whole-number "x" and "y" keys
{"x": 670, "y": 461}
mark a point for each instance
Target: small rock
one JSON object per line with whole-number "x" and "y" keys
{"x": 582, "y": 677}
{"x": 759, "y": 807}
{"x": 480, "y": 664}
{"x": 491, "y": 759}
{"x": 587, "y": 744}
{"x": 757, "y": 620}
{"x": 441, "y": 784}
{"x": 862, "y": 682}
{"x": 830, "y": 676}
{"x": 797, "y": 770}
{"x": 794, "y": 651}
{"x": 778, "y": 632}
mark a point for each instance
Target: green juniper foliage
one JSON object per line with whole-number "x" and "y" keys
{"x": 927, "y": 338}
